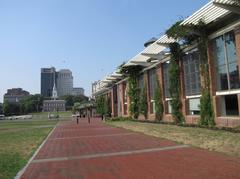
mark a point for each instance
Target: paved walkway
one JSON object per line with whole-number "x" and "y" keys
{"x": 98, "y": 151}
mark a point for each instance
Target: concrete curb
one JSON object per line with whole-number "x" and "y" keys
{"x": 20, "y": 173}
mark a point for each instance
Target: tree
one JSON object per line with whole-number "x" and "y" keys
{"x": 31, "y": 104}
{"x": 70, "y": 99}
{"x": 1, "y": 108}
{"x": 11, "y": 108}
{"x": 76, "y": 107}
{"x": 6, "y": 108}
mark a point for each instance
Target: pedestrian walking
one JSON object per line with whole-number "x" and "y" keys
{"x": 89, "y": 119}
{"x": 88, "y": 116}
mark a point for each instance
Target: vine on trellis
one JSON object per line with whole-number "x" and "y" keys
{"x": 187, "y": 35}
{"x": 133, "y": 90}
{"x": 158, "y": 100}
{"x": 143, "y": 100}
{"x": 174, "y": 83}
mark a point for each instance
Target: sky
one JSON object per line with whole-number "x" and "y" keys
{"x": 89, "y": 37}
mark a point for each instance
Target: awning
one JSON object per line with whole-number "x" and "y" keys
{"x": 207, "y": 13}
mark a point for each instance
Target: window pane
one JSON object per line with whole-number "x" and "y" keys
{"x": 231, "y": 105}
{"x": 166, "y": 79}
{"x": 141, "y": 83}
{"x": 194, "y": 106}
{"x": 152, "y": 83}
{"x": 234, "y": 76}
{"x": 222, "y": 78}
{"x": 169, "y": 107}
{"x": 225, "y": 59}
{"x": 218, "y": 51}
{"x": 231, "y": 47}
{"x": 191, "y": 73}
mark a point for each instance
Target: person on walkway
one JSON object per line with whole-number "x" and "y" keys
{"x": 77, "y": 116}
{"x": 88, "y": 115}
{"x": 89, "y": 119}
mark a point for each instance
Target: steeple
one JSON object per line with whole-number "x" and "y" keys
{"x": 54, "y": 91}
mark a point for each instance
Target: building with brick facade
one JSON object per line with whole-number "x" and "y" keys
{"x": 222, "y": 21}
{"x": 15, "y": 95}
{"x": 54, "y": 105}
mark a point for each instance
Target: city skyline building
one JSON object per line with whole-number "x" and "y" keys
{"x": 48, "y": 77}
{"x": 63, "y": 81}
{"x": 77, "y": 91}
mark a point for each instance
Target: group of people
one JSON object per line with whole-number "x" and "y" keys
{"x": 79, "y": 116}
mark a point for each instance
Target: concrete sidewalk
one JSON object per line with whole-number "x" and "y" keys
{"x": 99, "y": 151}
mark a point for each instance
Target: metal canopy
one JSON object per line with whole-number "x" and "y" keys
{"x": 165, "y": 40}
{"x": 211, "y": 12}
{"x": 207, "y": 13}
{"x": 152, "y": 51}
{"x": 116, "y": 75}
{"x": 230, "y": 5}
{"x": 129, "y": 64}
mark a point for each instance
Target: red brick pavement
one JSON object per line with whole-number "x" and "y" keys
{"x": 98, "y": 151}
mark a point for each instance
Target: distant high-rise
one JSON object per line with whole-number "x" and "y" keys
{"x": 78, "y": 91}
{"x": 64, "y": 82}
{"x": 48, "y": 76}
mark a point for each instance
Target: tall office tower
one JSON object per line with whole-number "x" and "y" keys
{"x": 48, "y": 76}
{"x": 64, "y": 82}
{"x": 78, "y": 91}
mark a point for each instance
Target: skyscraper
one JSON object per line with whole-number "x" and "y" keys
{"x": 58, "y": 82}
{"x": 64, "y": 82}
{"x": 48, "y": 76}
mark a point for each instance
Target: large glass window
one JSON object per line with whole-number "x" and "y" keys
{"x": 166, "y": 79}
{"x": 125, "y": 98}
{"x": 191, "y": 73}
{"x": 229, "y": 105}
{"x": 227, "y": 70}
{"x": 141, "y": 82}
{"x": 152, "y": 83}
{"x": 152, "y": 87}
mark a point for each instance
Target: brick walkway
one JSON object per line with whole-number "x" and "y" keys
{"x": 98, "y": 151}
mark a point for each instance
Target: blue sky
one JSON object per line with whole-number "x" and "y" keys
{"x": 90, "y": 37}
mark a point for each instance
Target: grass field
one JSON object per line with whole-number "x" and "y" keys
{"x": 19, "y": 140}
{"x": 65, "y": 114}
{"x": 214, "y": 140}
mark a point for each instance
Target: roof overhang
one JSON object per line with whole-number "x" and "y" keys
{"x": 228, "y": 5}
{"x": 208, "y": 13}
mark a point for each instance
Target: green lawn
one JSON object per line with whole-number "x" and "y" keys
{"x": 18, "y": 141}
{"x": 62, "y": 114}
{"x": 214, "y": 140}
